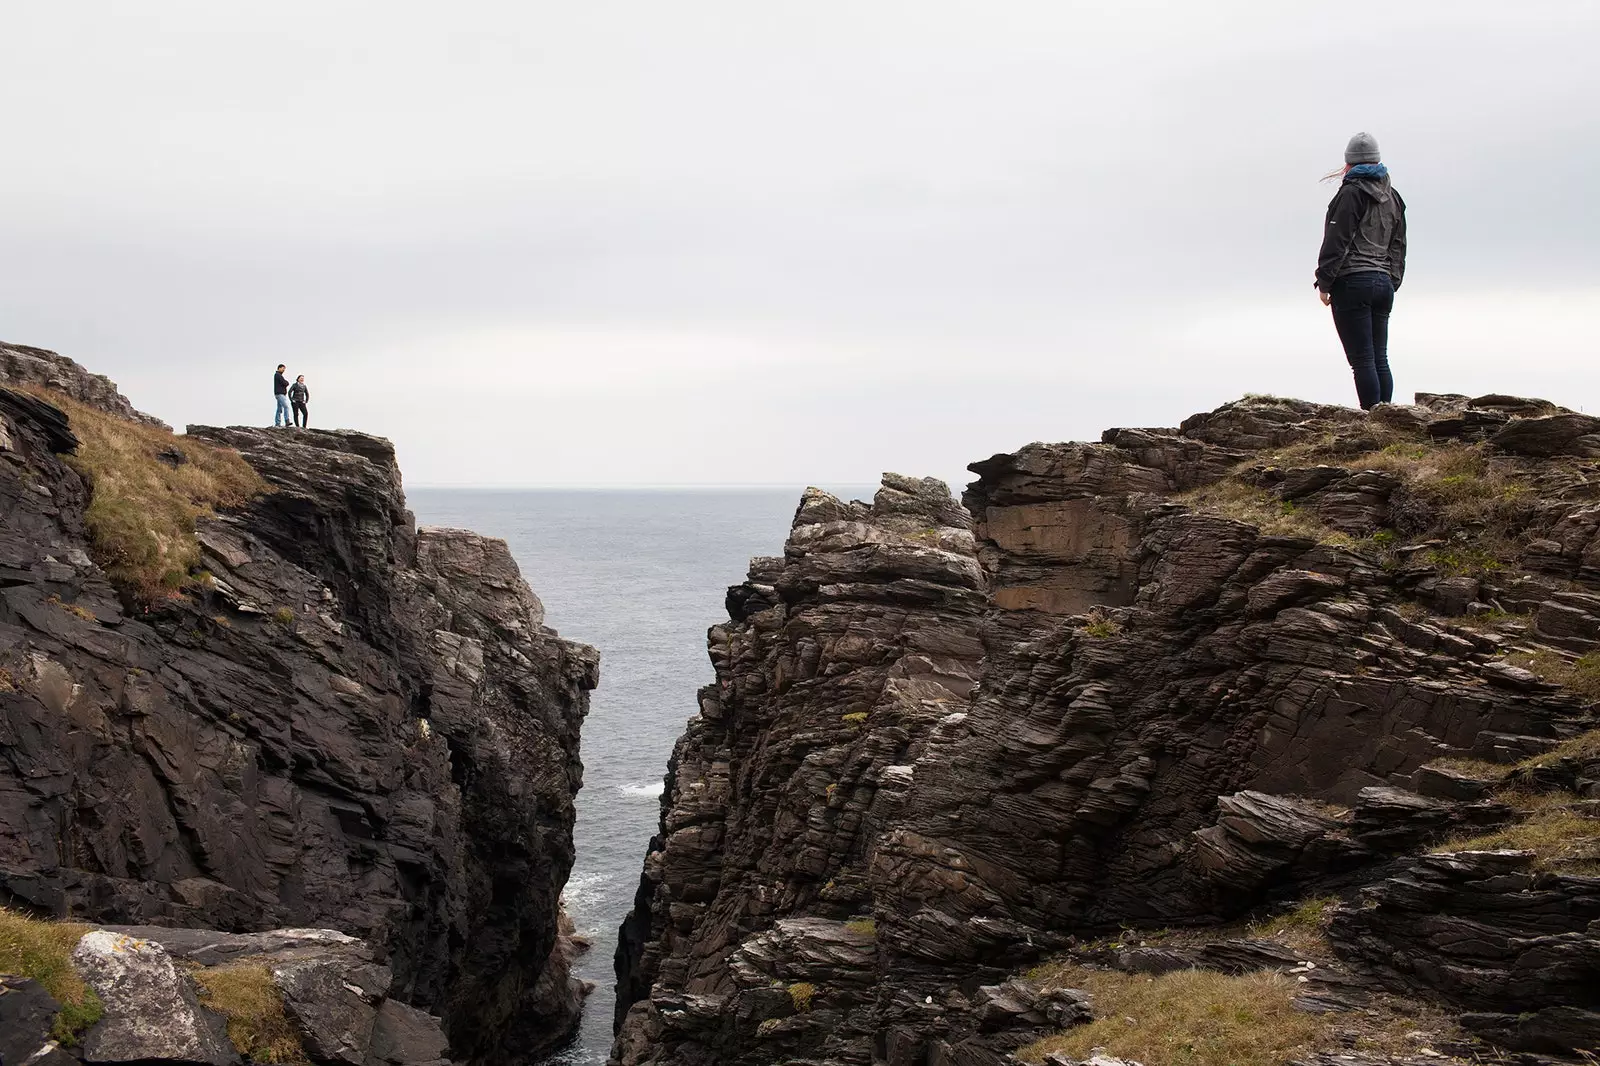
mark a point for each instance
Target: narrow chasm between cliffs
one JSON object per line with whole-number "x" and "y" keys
{"x": 1268, "y": 738}
{"x": 277, "y": 768}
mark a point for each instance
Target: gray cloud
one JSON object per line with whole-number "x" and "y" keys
{"x": 618, "y": 242}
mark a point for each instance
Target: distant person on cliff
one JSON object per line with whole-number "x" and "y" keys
{"x": 280, "y": 392}
{"x": 299, "y": 396}
{"x": 1362, "y": 262}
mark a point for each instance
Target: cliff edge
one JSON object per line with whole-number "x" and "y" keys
{"x": 253, "y": 695}
{"x": 1265, "y": 738}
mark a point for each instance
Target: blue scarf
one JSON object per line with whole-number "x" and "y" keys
{"x": 1367, "y": 170}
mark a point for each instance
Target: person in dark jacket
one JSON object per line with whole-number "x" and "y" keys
{"x": 280, "y": 392}
{"x": 1362, "y": 263}
{"x": 299, "y": 396}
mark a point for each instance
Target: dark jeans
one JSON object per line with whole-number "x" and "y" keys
{"x": 301, "y": 416}
{"x": 1361, "y": 306}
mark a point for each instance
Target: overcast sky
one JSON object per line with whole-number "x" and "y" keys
{"x": 715, "y": 241}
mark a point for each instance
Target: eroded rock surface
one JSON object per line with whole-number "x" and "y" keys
{"x": 354, "y": 723}
{"x": 1169, "y": 679}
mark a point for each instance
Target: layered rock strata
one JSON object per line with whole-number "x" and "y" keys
{"x": 1170, "y": 679}
{"x": 348, "y": 722}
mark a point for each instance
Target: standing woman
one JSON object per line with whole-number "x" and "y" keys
{"x": 1362, "y": 262}
{"x": 299, "y": 396}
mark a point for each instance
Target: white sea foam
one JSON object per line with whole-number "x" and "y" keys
{"x": 650, "y": 791}
{"x": 582, "y": 890}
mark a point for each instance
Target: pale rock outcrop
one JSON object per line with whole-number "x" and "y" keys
{"x": 151, "y": 1011}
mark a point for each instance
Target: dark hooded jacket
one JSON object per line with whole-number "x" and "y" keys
{"x": 1365, "y": 230}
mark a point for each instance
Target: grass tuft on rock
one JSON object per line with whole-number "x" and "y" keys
{"x": 1100, "y": 626}
{"x": 1580, "y": 675}
{"x": 42, "y": 951}
{"x": 147, "y": 487}
{"x": 71, "y": 608}
{"x": 801, "y": 993}
{"x": 1561, "y": 839}
{"x": 1256, "y": 507}
{"x": 1585, "y": 747}
{"x": 247, "y": 996}
{"x": 1300, "y": 928}
{"x": 1187, "y": 1018}
{"x": 1477, "y": 769}
{"x": 1205, "y": 1018}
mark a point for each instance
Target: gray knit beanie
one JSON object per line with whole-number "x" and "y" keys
{"x": 1363, "y": 148}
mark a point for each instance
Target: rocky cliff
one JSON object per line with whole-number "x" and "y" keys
{"x": 338, "y": 720}
{"x": 1291, "y": 696}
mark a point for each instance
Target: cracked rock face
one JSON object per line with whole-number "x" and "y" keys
{"x": 944, "y": 743}
{"x": 356, "y": 724}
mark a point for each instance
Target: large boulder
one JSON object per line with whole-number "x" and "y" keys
{"x": 151, "y": 1011}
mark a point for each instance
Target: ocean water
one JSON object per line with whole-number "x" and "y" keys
{"x": 641, "y": 575}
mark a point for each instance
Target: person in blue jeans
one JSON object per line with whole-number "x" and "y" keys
{"x": 1362, "y": 263}
{"x": 280, "y": 390}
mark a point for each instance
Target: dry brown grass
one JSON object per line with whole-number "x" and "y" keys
{"x": 1188, "y": 1018}
{"x": 1530, "y": 802}
{"x": 1244, "y": 503}
{"x": 1462, "y": 492}
{"x": 1585, "y": 747}
{"x": 1479, "y": 503}
{"x": 1348, "y": 447}
{"x": 1580, "y": 675}
{"x": 1203, "y": 1018}
{"x": 1453, "y": 474}
{"x": 42, "y": 951}
{"x": 71, "y": 608}
{"x": 1459, "y": 491}
{"x": 1560, "y": 839}
{"x": 1477, "y": 769}
{"x": 247, "y": 996}
{"x": 1302, "y": 928}
{"x": 142, "y": 508}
